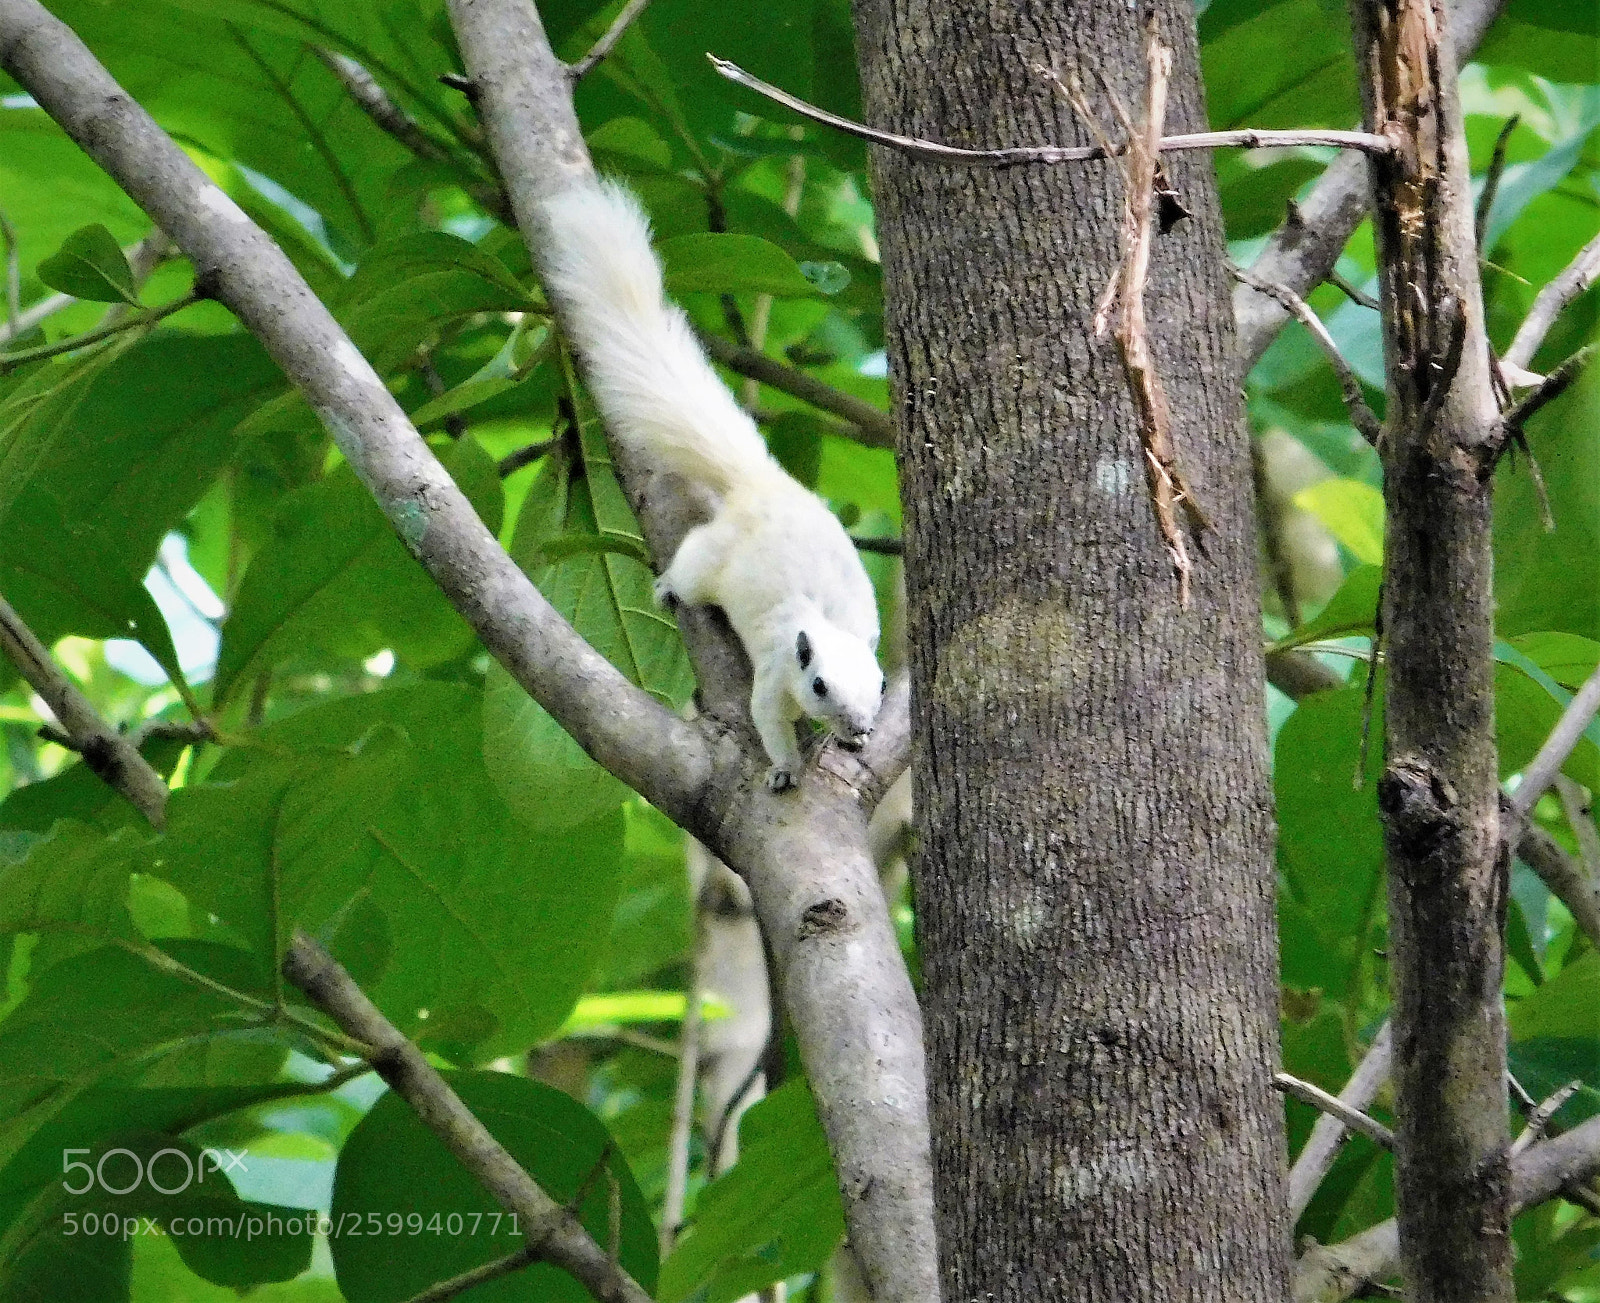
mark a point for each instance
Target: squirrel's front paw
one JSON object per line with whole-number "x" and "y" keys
{"x": 665, "y": 597}
{"x": 779, "y": 780}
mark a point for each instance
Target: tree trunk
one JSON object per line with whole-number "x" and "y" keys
{"x": 1439, "y": 792}
{"x": 1095, "y": 877}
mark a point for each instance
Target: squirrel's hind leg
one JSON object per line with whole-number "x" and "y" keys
{"x": 691, "y": 575}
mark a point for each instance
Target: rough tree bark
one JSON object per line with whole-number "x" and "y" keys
{"x": 1095, "y": 884}
{"x": 1439, "y": 792}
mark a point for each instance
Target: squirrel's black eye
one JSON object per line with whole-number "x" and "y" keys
{"x": 883, "y": 685}
{"x": 819, "y": 687}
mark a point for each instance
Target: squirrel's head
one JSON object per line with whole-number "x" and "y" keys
{"x": 838, "y": 681}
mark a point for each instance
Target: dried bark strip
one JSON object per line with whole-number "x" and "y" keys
{"x": 1439, "y": 793}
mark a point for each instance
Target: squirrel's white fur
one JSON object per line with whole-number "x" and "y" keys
{"x": 773, "y": 556}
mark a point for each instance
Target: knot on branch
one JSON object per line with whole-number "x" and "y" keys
{"x": 824, "y": 918}
{"x": 1420, "y": 806}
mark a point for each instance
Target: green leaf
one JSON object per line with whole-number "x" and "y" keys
{"x": 394, "y": 1168}
{"x": 1353, "y": 512}
{"x": 1351, "y": 611}
{"x": 164, "y": 1179}
{"x": 773, "y": 1214}
{"x": 1544, "y": 581}
{"x": 408, "y": 289}
{"x": 1564, "y": 1007}
{"x": 490, "y": 934}
{"x": 1330, "y": 843}
{"x": 616, "y": 1008}
{"x": 337, "y": 581}
{"x": 282, "y": 845}
{"x": 604, "y": 588}
{"x": 96, "y": 1016}
{"x": 733, "y": 264}
{"x": 105, "y": 456}
{"x": 1567, "y": 658}
{"x": 90, "y": 265}
{"x": 74, "y": 881}
{"x": 1528, "y": 702}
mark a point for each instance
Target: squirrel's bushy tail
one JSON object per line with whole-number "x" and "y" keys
{"x": 646, "y": 370}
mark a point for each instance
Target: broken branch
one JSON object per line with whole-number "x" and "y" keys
{"x": 1013, "y": 156}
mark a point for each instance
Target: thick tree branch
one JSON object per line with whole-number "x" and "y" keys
{"x": 1541, "y": 771}
{"x": 1439, "y": 792}
{"x": 1563, "y": 875}
{"x": 1302, "y": 252}
{"x": 873, "y": 426}
{"x": 1017, "y": 155}
{"x": 111, "y": 755}
{"x": 553, "y": 1232}
{"x": 1551, "y": 302}
{"x": 1328, "y": 1135}
{"x": 1334, "y": 1273}
{"x": 803, "y": 854}
{"x": 624, "y": 728}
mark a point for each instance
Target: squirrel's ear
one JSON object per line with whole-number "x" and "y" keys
{"x": 802, "y": 649}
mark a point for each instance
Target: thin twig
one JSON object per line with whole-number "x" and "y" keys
{"x": 1539, "y": 1117}
{"x": 608, "y": 40}
{"x": 880, "y": 546}
{"x": 373, "y": 100}
{"x": 719, "y": 1133}
{"x": 443, "y": 1290}
{"x": 11, "y": 361}
{"x": 516, "y": 459}
{"x": 1551, "y": 302}
{"x": 1561, "y": 873}
{"x": 8, "y": 237}
{"x": 1328, "y": 1135}
{"x": 1332, "y": 1105}
{"x": 1575, "y": 804}
{"x": 677, "y": 1191}
{"x": 1541, "y": 771}
{"x": 1352, "y": 291}
{"x": 1247, "y": 138}
{"x": 873, "y": 426}
{"x": 554, "y": 1233}
{"x": 107, "y": 752}
{"x": 1491, "y": 180}
{"x": 1164, "y": 480}
{"x": 1355, "y": 399}
{"x": 1554, "y": 385}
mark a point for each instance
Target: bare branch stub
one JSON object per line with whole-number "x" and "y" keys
{"x": 1355, "y": 401}
{"x": 608, "y": 40}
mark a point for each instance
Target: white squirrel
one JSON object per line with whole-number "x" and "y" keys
{"x": 772, "y": 556}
